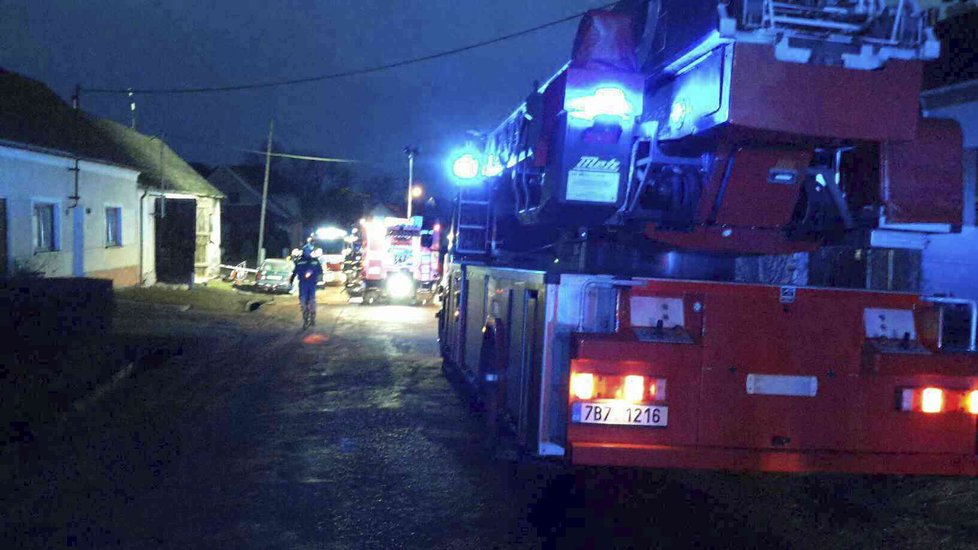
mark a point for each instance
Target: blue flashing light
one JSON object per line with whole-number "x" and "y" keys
{"x": 606, "y": 101}
{"x": 466, "y": 166}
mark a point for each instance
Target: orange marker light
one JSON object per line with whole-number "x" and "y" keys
{"x": 932, "y": 400}
{"x": 972, "y": 402}
{"x": 634, "y": 388}
{"x": 582, "y": 385}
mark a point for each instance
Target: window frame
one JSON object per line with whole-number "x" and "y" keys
{"x": 55, "y": 240}
{"x": 120, "y": 233}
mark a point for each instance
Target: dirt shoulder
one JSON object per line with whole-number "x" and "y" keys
{"x": 215, "y": 297}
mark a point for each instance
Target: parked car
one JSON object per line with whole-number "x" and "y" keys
{"x": 273, "y": 275}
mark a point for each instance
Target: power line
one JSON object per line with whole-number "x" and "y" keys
{"x": 200, "y": 141}
{"x": 300, "y": 157}
{"x": 354, "y": 72}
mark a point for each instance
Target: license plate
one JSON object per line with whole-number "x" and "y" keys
{"x": 619, "y": 413}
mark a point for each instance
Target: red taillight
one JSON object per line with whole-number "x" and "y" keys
{"x": 582, "y": 385}
{"x": 971, "y": 402}
{"x": 932, "y": 400}
{"x": 633, "y": 388}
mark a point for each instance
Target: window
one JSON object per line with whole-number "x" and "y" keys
{"x": 44, "y": 227}
{"x": 113, "y": 226}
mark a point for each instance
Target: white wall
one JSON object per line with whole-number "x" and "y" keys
{"x": 27, "y": 177}
{"x": 102, "y": 187}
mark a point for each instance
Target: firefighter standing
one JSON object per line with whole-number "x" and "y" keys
{"x": 309, "y": 271}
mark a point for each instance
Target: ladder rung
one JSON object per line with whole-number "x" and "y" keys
{"x": 480, "y": 203}
{"x": 469, "y": 226}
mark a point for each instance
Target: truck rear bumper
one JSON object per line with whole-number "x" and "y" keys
{"x": 714, "y": 458}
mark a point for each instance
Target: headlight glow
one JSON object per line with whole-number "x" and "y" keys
{"x": 399, "y": 285}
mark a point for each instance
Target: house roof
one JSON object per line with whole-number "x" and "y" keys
{"x": 34, "y": 117}
{"x": 143, "y": 152}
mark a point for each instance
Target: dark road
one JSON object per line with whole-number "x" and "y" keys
{"x": 262, "y": 435}
{"x": 259, "y": 435}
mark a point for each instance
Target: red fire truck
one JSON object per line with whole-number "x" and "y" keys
{"x": 399, "y": 260}
{"x": 603, "y": 289}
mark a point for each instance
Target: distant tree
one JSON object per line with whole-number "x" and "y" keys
{"x": 383, "y": 188}
{"x": 328, "y": 192}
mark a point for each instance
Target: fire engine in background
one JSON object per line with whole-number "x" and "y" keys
{"x": 332, "y": 245}
{"x": 601, "y": 288}
{"x": 397, "y": 260}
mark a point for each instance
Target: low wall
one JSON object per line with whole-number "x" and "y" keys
{"x": 56, "y": 348}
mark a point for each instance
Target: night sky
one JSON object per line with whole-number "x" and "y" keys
{"x": 184, "y": 43}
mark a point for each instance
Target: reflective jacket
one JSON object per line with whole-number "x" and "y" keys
{"x": 308, "y": 271}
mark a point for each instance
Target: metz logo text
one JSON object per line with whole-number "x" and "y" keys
{"x": 596, "y": 164}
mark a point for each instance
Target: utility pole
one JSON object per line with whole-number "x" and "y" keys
{"x": 132, "y": 110}
{"x": 411, "y": 151}
{"x": 264, "y": 194}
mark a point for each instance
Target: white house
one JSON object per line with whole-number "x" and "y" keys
{"x": 181, "y": 210}
{"x": 88, "y": 197}
{"x": 69, "y": 206}
{"x": 49, "y": 232}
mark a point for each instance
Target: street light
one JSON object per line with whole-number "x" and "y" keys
{"x": 417, "y": 191}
